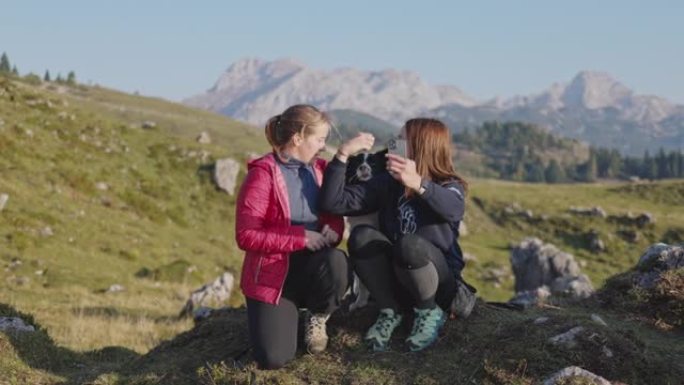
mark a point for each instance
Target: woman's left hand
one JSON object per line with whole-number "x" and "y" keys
{"x": 404, "y": 170}
{"x": 331, "y": 237}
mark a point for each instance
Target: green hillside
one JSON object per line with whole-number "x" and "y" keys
{"x": 160, "y": 228}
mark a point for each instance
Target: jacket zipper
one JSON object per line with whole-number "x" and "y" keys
{"x": 258, "y": 269}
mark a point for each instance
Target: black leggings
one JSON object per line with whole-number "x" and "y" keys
{"x": 316, "y": 281}
{"x": 411, "y": 272}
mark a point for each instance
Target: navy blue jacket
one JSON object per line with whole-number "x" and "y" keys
{"x": 434, "y": 215}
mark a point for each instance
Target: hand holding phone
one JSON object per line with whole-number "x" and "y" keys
{"x": 397, "y": 147}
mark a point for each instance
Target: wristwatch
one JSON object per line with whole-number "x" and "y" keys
{"x": 423, "y": 187}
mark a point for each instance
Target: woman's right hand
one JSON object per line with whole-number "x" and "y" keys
{"x": 314, "y": 240}
{"x": 362, "y": 141}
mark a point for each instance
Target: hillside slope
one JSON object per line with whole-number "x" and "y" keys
{"x": 96, "y": 200}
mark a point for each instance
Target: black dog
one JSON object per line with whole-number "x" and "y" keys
{"x": 362, "y": 167}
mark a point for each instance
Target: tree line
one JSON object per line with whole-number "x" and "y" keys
{"x": 526, "y": 152}
{"x": 7, "y": 69}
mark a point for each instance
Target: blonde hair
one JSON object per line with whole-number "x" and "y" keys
{"x": 300, "y": 118}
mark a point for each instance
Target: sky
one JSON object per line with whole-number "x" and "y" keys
{"x": 176, "y": 49}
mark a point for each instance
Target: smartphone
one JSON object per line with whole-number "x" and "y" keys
{"x": 397, "y": 147}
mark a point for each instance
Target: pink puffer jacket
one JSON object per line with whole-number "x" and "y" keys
{"x": 263, "y": 229}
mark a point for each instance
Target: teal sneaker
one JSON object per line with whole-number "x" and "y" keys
{"x": 426, "y": 326}
{"x": 378, "y": 336}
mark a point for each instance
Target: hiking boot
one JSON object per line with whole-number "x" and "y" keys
{"x": 464, "y": 300}
{"x": 315, "y": 336}
{"x": 426, "y": 326}
{"x": 378, "y": 335}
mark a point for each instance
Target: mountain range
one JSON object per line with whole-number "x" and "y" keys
{"x": 592, "y": 106}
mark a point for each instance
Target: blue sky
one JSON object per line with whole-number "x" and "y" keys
{"x": 176, "y": 49}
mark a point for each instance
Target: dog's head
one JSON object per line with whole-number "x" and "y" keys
{"x": 362, "y": 167}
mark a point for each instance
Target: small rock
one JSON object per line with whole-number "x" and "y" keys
{"x": 102, "y": 186}
{"x": 3, "y": 201}
{"x": 567, "y": 339}
{"x": 597, "y": 318}
{"x": 645, "y": 219}
{"x": 541, "y": 320}
{"x": 469, "y": 257}
{"x": 201, "y": 313}
{"x": 115, "y": 288}
{"x": 149, "y": 124}
{"x": 576, "y": 287}
{"x": 15, "y": 262}
{"x": 204, "y": 138}
{"x": 607, "y": 352}
{"x": 575, "y": 371}
{"x": 219, "y": 290}
{"x": 531, "y": 298}
{"x": 46, "y": 232}
{"x": 225, "y": 174}
{"x": 595, "y": 211}
{"x": 462, "y": 229}
{"x": 15, "y": 324}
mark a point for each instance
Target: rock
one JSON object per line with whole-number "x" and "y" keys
{"x": 567, "y": 339}
{"x": 14, "y": 263}
{"x": 595, "y": 211}
{"x": 495, "y": 274}
{"x": 607, "y": 352}
{"x": 597, "y": 318}
{"x": 204, "y": 138}
{"x": 102, "y": 186}
{"x": 219, "y": 291}
{"x": 252, "y": 155}
{"x": 201, "y": 313}
{"x": 115, "y": 288}
{"x": 15, "y": 324}
{"x": 462, "y": 229}
{"x": 225, "y": 174}
{"x": 596, "y": 245}
{"x": 46, "y": 232}
{"x": 658, "y": 258}
{"x": 530, "y": 298}
{"x": 149, "y": 124}
{"x": 630, "y": 236}
{"x": 3, "y": 201}
{"x": 204, "y": 156}
{"x": 20, "y": 280}
{"x": 576, "y": 287}
{"x": 541, "y": 320}
{"x": 469, "y": 257}
{"x": 644, "y": 219}
{"x": 536, "y": 264}
{"x": 564, "y": 375}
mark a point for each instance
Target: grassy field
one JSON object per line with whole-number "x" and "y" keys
{"x": 160, "y": 229}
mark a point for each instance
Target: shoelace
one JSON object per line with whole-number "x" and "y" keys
{"x": 421, "y": 321}
{"x": 385, "y": 322}
{"x": 316, "y": 324}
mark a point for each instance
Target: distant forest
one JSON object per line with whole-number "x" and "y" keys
{"x": 525, "y": 152}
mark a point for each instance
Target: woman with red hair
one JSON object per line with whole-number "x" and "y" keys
{"x": 413, "y": 259}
